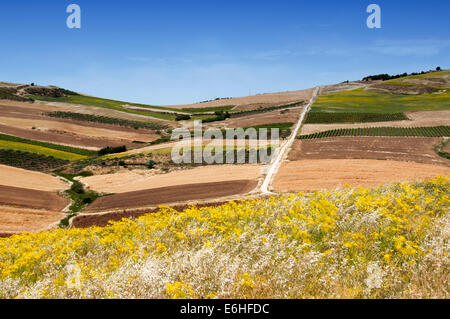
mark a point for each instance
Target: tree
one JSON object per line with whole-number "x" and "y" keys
{"x": 150, "y": 164}
{"x": 438, "y": 68}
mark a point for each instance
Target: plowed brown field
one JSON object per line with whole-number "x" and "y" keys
{"x": 412, "y": 149}
{"x": 31, "y": 198}
{"x": 312, "y": 175}
{"x": 172, "y": 194}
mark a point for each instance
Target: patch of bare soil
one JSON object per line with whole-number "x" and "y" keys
{"x": 267, "y": 99}
{"x": 418, "y": 119}
{"x": 17, "y": 177}
{"x": 30, "y": 198}
{"x": 137, "y": 180}
{"x": 172, "y": 194}
{"x": 17, "y": 220}
{"x": 329, "y": 174}
{"x": 410, "y": 149}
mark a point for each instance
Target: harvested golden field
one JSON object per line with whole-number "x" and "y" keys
{"x": 17, "y": 220}
{"x": 387, "y": 242}
{"x": 16, "y": 177}
{"x": 143, "y": 179}
{"x": 329, "y": 174}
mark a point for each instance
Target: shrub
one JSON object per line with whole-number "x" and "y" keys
{"x": 112, "y": 150}
{"x": 77, "y": 187}
{"x": 150, "y": 164}
{"x": 182, "y": 117}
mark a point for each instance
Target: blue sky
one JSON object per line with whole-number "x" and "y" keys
{"x": 184, "y": 51}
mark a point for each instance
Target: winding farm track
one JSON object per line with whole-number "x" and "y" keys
{"x": 275, "y": 165}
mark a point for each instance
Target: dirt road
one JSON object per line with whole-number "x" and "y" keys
{"x": 282, "y": 152}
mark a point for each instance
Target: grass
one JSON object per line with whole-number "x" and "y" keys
{"x": 361, "y": 101}
{"x": 325, "y": 117}
{"x": 389, "y": 242}
{"x": 434, "y": 131}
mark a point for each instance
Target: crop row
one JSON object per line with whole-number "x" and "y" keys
{"x": 326, "y": 117}
{"x": 30, "y": 161}
{"x": 435, "y": 131}
{"x": 107, "y": 120}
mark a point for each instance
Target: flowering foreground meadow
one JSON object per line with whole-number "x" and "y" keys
{"x": 389, "y": 242}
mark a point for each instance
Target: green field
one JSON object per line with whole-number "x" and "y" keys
{"x": 434, "y": 131}
{"x": 361, "y": 101}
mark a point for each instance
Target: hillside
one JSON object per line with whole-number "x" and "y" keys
{"x": 387, "y": 242}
